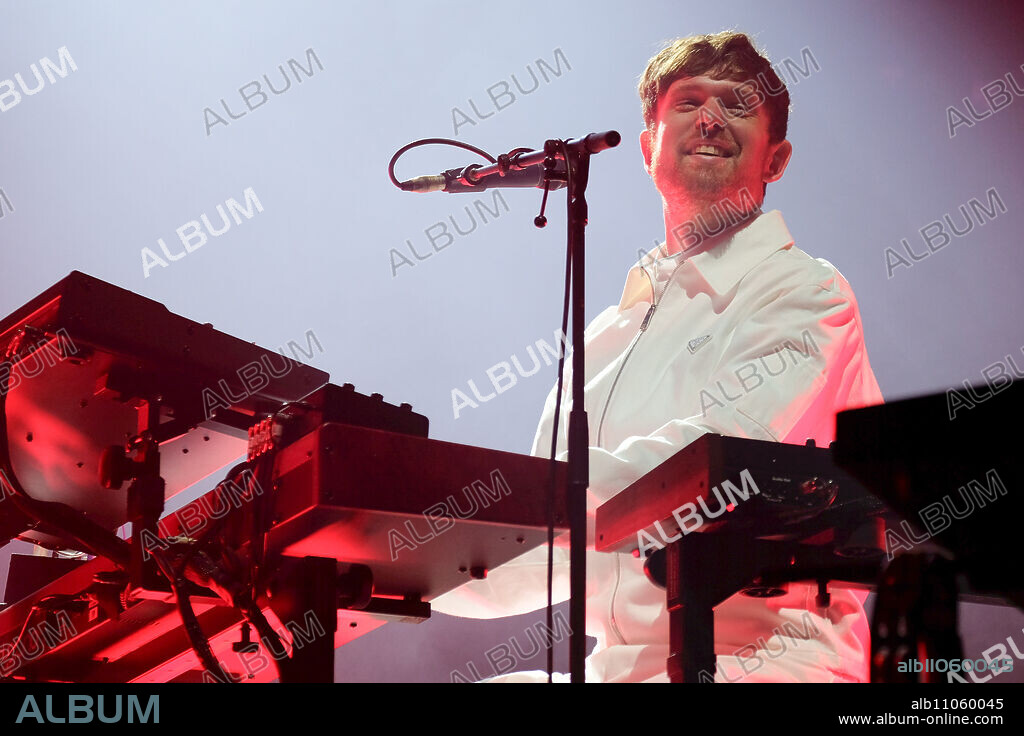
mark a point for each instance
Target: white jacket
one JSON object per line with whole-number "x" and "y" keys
{"x": 752, "y": 338}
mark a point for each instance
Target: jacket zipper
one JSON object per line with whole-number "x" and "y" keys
{"x": 643, "y": 328}
{"x": 656, "y": 300}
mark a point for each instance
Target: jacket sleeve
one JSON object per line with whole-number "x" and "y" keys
{"x": 813, "y": 330}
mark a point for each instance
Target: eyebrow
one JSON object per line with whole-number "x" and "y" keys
{"x": 684, "y": 88}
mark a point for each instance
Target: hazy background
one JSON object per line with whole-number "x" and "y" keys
{"x": 102, "y": 163}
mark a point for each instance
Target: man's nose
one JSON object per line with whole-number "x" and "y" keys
{"x": 709, "y": 121}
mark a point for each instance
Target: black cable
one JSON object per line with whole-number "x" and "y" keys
{"x": 430, "y": 142}
{"x": 554, "y": 432}
{"x": 263, "y": 473}
{"x": 235, "y": 593}
{"x": 218, "y": 524}
{"x": 268, "y": 635}
{"x": 244, "y": 601}
{"x": 200, "y": 644}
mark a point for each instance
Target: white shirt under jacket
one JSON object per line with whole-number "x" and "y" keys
{"x": 752, "y": 338}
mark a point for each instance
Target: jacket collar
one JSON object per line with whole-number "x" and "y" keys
{"x": 722, "y": 266}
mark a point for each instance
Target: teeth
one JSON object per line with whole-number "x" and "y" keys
{"x": 709, "y": 149}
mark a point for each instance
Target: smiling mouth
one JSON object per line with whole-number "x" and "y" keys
{"x": 708, "y": 151}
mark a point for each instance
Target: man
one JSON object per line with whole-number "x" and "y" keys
{"x": 726, "y": 328}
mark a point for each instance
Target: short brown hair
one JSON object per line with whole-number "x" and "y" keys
{"x": 725, "y": 55}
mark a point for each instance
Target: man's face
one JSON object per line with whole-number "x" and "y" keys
{"x": 709, "y": 143}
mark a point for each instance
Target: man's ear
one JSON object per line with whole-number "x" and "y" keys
{"x": 645, "y": 146}
{"x": 778, "y": 161}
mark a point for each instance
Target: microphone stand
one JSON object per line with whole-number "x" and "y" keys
{"x": 579, "y": 432}
{"x": 577, "y": 154}
{"x": 576, "y": 173}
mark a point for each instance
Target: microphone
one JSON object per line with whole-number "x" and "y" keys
{"x": 520, "y": 168}
{"x": 462, "y": 179}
